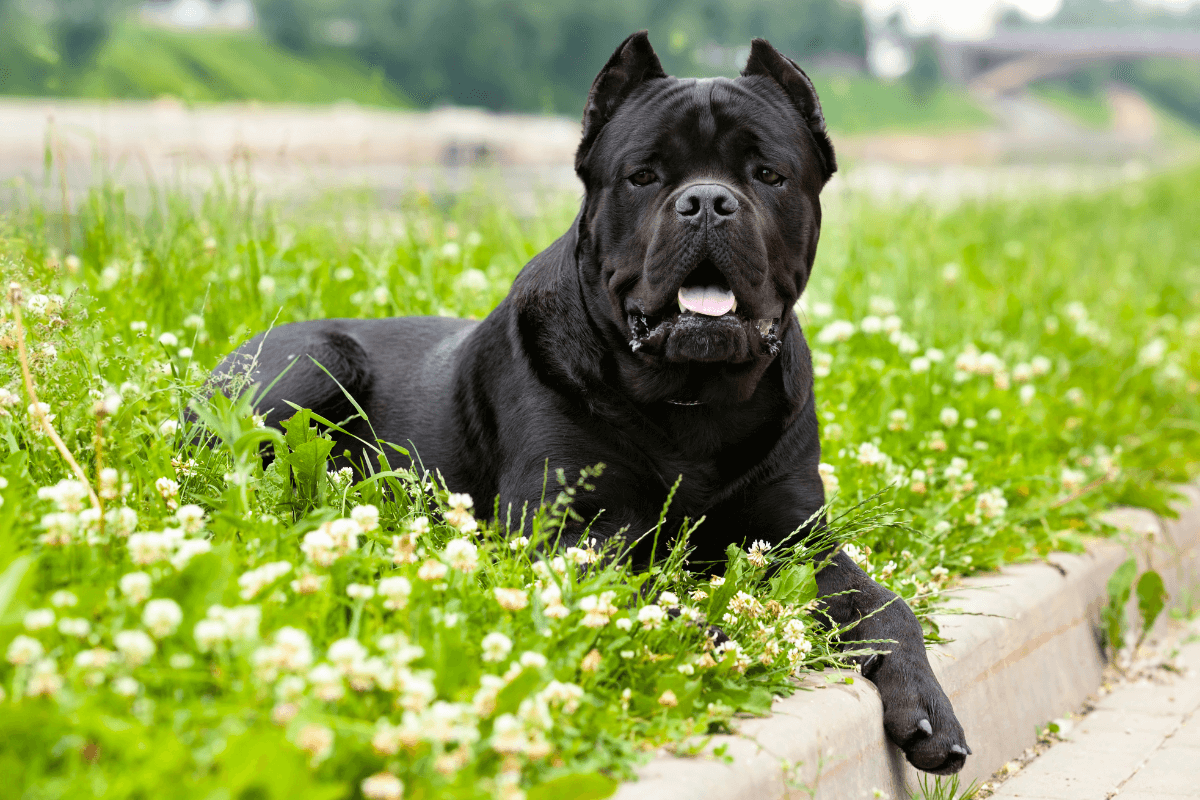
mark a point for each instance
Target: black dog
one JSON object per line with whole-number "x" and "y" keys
{"x": 656, "y": 336}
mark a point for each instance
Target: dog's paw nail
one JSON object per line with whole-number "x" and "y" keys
{"x": 927, "y": 728}
{"x": 962, "y": 751}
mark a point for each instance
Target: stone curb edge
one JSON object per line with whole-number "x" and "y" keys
{"x": 1027, "y": 650}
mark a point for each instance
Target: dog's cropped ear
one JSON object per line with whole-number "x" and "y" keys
{"x": 765, "y": 60}
{"x": 633, "y": 63}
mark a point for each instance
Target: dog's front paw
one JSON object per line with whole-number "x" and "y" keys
{"x": 917, "y": 715}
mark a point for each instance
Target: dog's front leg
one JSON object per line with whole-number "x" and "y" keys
{"x": 917, "y": 715}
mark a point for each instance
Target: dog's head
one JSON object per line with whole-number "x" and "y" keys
{"x": 701, "y": 216}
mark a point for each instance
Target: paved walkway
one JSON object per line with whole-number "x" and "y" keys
{"x": 1142, "y": 742}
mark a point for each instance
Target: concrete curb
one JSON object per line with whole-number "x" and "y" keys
{"x": 1029, "y": 652}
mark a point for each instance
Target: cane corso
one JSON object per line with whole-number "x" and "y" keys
{"x": 657, "y": 336}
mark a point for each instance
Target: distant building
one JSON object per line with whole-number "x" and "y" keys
{"x": 228, "y": 15}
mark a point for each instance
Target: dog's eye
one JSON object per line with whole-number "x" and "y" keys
{"x": 769, "y": 176}
{"x": 643, "y": 177}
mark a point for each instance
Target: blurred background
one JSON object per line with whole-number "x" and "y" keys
{"x": 937, "y": 97}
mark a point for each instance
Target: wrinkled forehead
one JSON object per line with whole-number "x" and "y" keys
{"x": 700, "y": 123}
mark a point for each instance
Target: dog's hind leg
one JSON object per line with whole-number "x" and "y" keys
{"x": 313, "y": 365}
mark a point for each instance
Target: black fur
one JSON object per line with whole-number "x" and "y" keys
{"x": 588, "y": 360}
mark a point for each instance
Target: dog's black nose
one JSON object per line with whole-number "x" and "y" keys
{"x": 706, "y": 201}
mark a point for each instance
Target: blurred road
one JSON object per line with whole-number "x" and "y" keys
{"x": 54, "y": 147}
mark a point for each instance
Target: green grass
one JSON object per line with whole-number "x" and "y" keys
{"x": 140, "y": 63}
{"x": 1068, "y": 330}
{"x": 1090, "y": 110}
{"x": 867, "y": 105}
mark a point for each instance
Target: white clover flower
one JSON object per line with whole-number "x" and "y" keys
{"x": 326, "y": 683}
{"x": 168, "y": 339}
{"x": 745, "y": 604}
{"x": 266, "y": 285}
{"x": 757, "y": 554}
{"x": 293, "y": 649}
{"x": 871, "y": 324}
{"x": 396, "y": 590}
{"x": 121, "y": 521}
{"x": 360, "y": 591}
{"x": 382, "y": 786}
{"x": 316, "y": 740}
{"x": 531, "y": 660}
{"x": 108, "y": 405}
{"x": 209, "y": 633}
{"x": 432, "y": 571}
{"x": 1040, "y": 365}
{"x": 907, "y": 345}
{"x": 871, "y": 456}
{"x": 74, "y": 626}
{"x": 581, "y": 555}
{"x": 566, "y": 695}
{"x": 897, "y": 419}
{"x": 367, "y": 517}
{"x": 242, "y": 622}
{"x": 459, "y": 500}
{"x": 1072, "y": 479}
{"x": 68, "y": 495}
{"x": 651, "y": 616}
{"x": 255, "y": 580}
{"x": 510, "y": 599}
{"x": 1027, "y": 393}
{"x": 188, "y": 549}
{"x": 496, "y": 647}
{"x": 169, "y": 490}
{"x": 24, "y": 650}
{"x": 828, "y": 478}
{"x": 162, "y": 617}
{"x": 461, "y": 555}
{"x": 1022, "y": 373}
{"x": 836, "y": 331}
{"x": 597, "y": 609}
{"x": 318, "y": 547}
{"x": 344, "y": 533}
{"x": 948, "y": 417}
{"x": 40, "y": 412}
{"x": 290, "y": 688}
{"x": 44, "y": 680}
{"x": 345, "y": 652}
{"x": 508, "y": 735}
{"x": 991, "y": 504}
{"x": 1153, "y": 353}
{"x": 135, "y": 586}
{"x": 38, "y": 619}
{"x": 63, "y": 598}
{"x": 191, "y": 517}
{"x": 149, "y": 548}
{"x": 134, "y": 646}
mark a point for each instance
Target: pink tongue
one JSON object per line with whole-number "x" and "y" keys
{"x": 712, "y": 301}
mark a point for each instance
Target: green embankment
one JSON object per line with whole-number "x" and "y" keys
{"x": 860, "y": 104}
{"x": 141, "y": 63}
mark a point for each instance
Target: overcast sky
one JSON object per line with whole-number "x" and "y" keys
{"x": 972, "y": 18}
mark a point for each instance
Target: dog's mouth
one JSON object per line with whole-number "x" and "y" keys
{"x": 705, "y": 312}
{"x": 705, "y": 291}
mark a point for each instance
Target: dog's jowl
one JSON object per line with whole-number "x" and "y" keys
{"x": 656, "y": 336}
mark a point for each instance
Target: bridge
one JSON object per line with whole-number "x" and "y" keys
{"x": 1014, "y": 58}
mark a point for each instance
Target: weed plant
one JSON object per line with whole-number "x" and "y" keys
{"x": 180, "y": 620}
